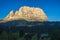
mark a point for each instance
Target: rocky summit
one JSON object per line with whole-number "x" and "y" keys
{"x": 30, "y": 14}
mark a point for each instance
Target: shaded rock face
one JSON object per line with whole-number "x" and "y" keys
{"x": 27, "y": 13}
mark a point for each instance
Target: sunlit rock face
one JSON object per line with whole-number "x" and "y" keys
{"x": 10, "y": 15}
{"x": 27, "y": 13}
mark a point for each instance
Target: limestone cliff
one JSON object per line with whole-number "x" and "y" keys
{"x": 10, "y": 15}
{"x": 28, "y": 14}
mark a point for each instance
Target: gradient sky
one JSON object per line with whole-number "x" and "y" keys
{"x": 50, "y": 7}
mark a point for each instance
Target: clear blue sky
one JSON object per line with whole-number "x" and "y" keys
{"x": 50, "y": 7}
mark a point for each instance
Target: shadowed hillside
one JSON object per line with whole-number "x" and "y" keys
{"x": 12, "y": 30}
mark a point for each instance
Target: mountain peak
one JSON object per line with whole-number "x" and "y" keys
{"x": 10, "y": 15}
{"x": 28, "y": 14}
